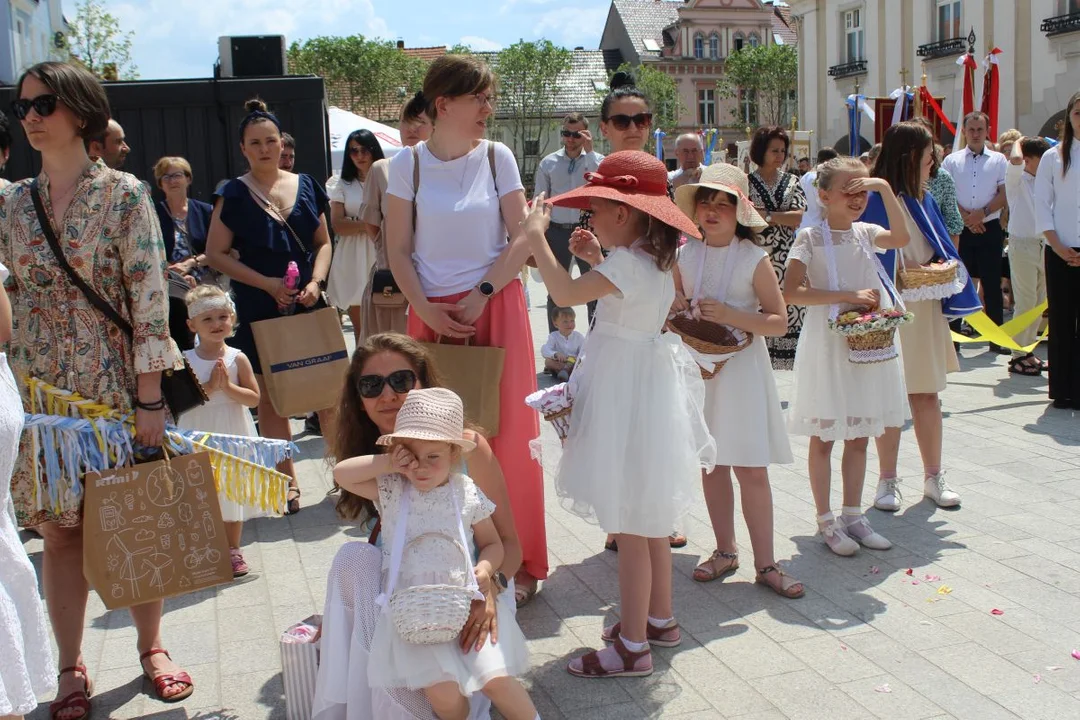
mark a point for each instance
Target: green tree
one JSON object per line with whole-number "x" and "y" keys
{"x": 663, "y": 96}
{"x": 369, "y": 76}
{"x": 459, "y": 49}
{"x": 97, "y": 42}
{"x": 768, "y": 75}
{"x": 530, "y": 79}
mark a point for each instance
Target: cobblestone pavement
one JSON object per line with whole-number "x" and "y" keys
{"x": 913, "y": 632}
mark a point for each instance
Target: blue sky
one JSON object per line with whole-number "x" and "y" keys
{"x": 178, "y": 38}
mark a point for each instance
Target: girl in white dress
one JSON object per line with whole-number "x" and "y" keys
{"x": 419, "y": 497}
{"x": 354, "y": 248}
{"x": 637, "y": 440}
{"x": 229, "y": 381}
{"x": 833, "y": 398}
{"x": 728, "y": 278}
{"x": 26, "y": 664}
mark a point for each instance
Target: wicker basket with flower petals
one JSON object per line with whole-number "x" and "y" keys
{"x": 709, "y": 338}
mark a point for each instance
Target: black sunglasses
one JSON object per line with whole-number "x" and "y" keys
{"x": 44, "y": 105}
{"x": 571, "y": 134}
{"x": 401, "y": 382}
{"x": 622, "y": 122}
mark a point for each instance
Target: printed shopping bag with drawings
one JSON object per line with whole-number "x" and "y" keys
{"x": 153, "y": 530}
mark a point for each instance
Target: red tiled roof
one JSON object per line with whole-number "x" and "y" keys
{"x": 782, "y": 24}
{"x": 426, "y": 53}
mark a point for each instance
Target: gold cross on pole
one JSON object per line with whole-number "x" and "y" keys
{"x": 903, "y": 77}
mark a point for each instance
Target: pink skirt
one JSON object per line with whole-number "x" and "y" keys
{"x": 505, "y": 324}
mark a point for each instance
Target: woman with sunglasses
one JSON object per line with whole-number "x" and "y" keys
{"x": 626, "y": 122}
{"x": 382, "y": 372}
{"x": 184, "y": 223}
{"x": 354, "y": 253}
{"x": 112, "y": 243}
{"x": 271, "y": 217}
{"x": 452, "y": 201}
{"x": 779, "y": 198}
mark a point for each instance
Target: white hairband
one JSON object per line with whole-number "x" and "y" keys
{"x": 206, "y": 304}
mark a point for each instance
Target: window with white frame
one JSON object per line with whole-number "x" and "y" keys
{"x": 738, "y": 40}
{"x": 699, "y": 46}
{"x": 853, "y": 35}
{"x": 754, "y": 40}
{"x": 706, "y": 107}
{"x": 948, "y": 19}
{"x": 714, "y": 47}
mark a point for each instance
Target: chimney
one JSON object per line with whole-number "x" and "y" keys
{"x": 580, "y": 47}
{"x": 400, "y": 44}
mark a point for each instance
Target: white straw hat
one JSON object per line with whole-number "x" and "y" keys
{"x": 430, "y": 414}
{"x": 725, "y": 178}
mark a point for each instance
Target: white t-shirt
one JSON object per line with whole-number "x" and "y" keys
{"x": 459, "y": 229}
{"x": 812, "y": 217}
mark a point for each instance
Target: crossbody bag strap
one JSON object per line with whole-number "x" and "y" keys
{"x": 415, "y": 184}
{"x": 91, "y": 295}
{"x": 491, "y": 164}
{"x": 273, "y": 208}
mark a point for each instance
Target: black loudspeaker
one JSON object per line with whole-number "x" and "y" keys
{"x": 253, "y": 56}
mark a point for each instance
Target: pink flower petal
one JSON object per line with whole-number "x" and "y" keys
{"x": 1076, "y": 654}
{"x": 995, "y": 611}
{"x": 1037, "y": 678}
{"x": 883, "y": 688}
{"x": 874, "y": 569}
{"x": 914, "y": 582}
{"x": 843, "y": 647}
{"x": 908, "y": 571}
{"x": 932, "y": 578}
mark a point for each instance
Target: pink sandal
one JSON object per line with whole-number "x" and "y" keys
{"x": 635, "y": 664}
{"x": 659, "y": 636}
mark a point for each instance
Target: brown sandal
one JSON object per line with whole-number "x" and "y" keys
{"x": 708, "y": 570}
{"x": 591, "y": 667}
{"x": 163, "y": 682}
{"x": 789, "y": 587}
{"x": 78, "y": 700}
{"x": 669, "y": 636}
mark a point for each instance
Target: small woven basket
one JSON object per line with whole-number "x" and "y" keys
{"x": 432, "y": 614}
{"x": 708, "y": 338}
{"x": 872, "y": 347}
{"x": 561, "y": 420}
{"x": 921, "y": 276}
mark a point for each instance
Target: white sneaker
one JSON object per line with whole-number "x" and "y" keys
{"x": 888, "y": 496}
{"x": 838, "y": 540}
{"x": 935, "y": 488}
{"x": 858, "y": 528}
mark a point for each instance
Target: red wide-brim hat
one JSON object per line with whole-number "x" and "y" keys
{"x": 635, "y": 178}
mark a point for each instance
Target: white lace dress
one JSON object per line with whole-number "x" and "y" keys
{"x": 832, "y": 398}
{"x": 221, "y": 414}
{"x": 26, "y": 665}
{"x": 407, "y": 665}
{"x": 742, "y": 406}
{"x": 354, "y": 255}
{"x": 638, "y": 440}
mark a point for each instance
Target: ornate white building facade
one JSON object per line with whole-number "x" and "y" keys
{"x": 873, "y": 41}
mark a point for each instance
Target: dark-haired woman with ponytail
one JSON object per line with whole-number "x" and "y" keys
{"x": 257, "y": 214}
{"x": 354, "y": 254}
{"x": 1057, "y": 197}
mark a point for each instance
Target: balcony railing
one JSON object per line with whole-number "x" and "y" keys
{"x": 1061, "y": 24}
{"x": 942, "y": 48}
{"x": 858, "y": 67}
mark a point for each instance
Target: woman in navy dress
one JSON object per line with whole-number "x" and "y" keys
{"x": 270, "y": 217}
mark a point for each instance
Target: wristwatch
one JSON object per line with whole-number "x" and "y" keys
{"x": 501, "y": 580}
{"x": 321, "y": 284}
{"x": 486, "y": 289}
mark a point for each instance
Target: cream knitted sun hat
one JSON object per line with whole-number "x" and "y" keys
{"x": 430, "y": 414}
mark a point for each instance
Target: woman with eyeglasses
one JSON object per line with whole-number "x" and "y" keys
{"x": 460, "y": 273}
{"x": 626, "y": 122}
{"x": 779, "y": 198}
{"x": 103, "y": 224}
{"x": 184, "y": 223}
{"x": 354, "y": 253}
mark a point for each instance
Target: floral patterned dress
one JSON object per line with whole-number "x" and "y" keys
{"x": 112, "y": 239}
{"x": 785, "y": 195}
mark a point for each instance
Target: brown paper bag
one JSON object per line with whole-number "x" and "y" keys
{"x": 153, "y": 530}
{"x": 304, "y": 360}
{"x": 474, "y": 374}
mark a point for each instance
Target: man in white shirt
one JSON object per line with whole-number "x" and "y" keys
{"x": 979, "y": 174}
{"x": 690, "y": 153}
{"x": 812, "y": 217}
{"x": 562, "y": 171}
{"x": 1026, "y": 245}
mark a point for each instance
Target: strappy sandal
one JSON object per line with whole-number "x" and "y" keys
{"x": 789, "y": 587}
{"x": 292, "y": 505}
{"x": 78, "y": 700}
{"x": 591, "y": 667}
{"x": 669, "y": 636}
{"x": 1028, "y": 366}
{"x": 709, "y": 571}
{"x": 164, "y": 682}
{"x": 677, "y": 540}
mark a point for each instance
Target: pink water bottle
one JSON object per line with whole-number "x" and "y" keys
{"x": 292, "y": 282}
